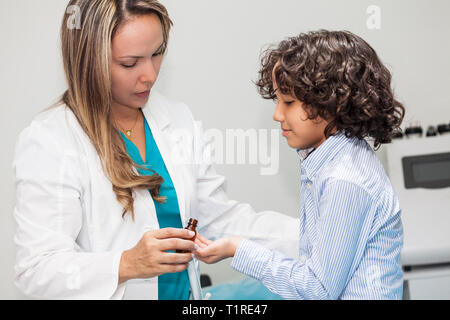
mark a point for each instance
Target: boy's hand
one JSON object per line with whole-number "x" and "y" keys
{"x": 214, "y": 251}
{"x": 201, "y": 242}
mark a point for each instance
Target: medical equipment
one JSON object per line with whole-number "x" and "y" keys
{"x": 419, "y": 170}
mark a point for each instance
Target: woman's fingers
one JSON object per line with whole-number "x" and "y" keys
{"x": 176, "y": 258}
{"x": 174, "y": 239}
{"x": 172, "y": 268}
{"x": 176, "y": 244}
{"x": 166, "y": 233}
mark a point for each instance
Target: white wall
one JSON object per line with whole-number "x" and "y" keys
{"x": 213, "y": 58}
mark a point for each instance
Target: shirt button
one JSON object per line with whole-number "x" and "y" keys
{"x": 303, "y": 259}
{"x": 308, "y": 185}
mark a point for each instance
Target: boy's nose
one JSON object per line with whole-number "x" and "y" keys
{"x": 278, "y": 114}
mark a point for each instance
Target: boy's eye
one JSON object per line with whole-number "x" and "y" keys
{"x": 157, "y": 54}
{"x": 288, "y": 102}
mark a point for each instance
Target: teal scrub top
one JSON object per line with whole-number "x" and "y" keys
{"x": 171, "y": 286}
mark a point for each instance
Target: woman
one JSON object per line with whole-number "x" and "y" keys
{"x": 107, "y": 176}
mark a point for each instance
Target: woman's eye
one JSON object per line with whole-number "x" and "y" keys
{"x": 129, "y": 66}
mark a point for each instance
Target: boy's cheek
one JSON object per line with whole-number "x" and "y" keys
{"x": 294, "y": 141}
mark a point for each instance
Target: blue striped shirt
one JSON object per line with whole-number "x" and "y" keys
{"x": 351, "y": 233}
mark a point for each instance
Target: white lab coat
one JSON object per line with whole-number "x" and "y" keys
{"x": 70, "y": 233}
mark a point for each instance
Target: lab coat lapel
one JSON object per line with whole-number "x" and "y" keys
{"x": 161, "y": 126}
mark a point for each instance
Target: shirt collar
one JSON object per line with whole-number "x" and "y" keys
{"x": 314, "y": 159}
{"x": 303, "y": 153}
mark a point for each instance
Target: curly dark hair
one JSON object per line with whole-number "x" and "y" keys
{"x": 339, "y": 77}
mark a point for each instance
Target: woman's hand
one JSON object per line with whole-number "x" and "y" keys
{"x": 214, "y": 251}
{"x": 149, "y": 257}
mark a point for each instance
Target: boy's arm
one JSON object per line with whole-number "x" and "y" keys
{"x": 345, "y": 216}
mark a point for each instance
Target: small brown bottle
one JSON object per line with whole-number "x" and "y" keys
{"x": 192, "y": 225}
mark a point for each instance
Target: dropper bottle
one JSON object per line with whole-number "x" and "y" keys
{"x": 192, "y": 226}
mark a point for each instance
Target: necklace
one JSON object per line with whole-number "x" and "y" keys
{"x": 129, "y": 132}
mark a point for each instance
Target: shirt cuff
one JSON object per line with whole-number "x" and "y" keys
{"x": 251, "y": 259}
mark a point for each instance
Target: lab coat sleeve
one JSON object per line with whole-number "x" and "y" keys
{"x": 220, "y": 216}
{"x": 48, "y": 215}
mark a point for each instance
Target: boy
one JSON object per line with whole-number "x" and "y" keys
{"x": 332, "y": 91}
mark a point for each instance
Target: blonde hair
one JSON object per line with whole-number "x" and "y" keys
{"x": 86, "y": 54}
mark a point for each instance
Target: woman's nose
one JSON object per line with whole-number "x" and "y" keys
{"x": 150, "y": 73}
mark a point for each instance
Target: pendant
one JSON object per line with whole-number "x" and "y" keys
{"x": 128, "y": 132}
